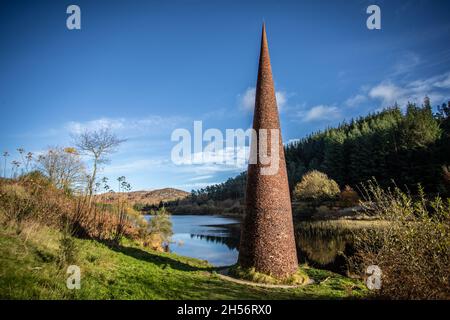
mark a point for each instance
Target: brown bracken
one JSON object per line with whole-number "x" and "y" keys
{"x": 267, "y": 239}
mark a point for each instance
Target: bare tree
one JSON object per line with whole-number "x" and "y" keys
{"x": 63, "y": 166}
{"x": 97, "y": 144}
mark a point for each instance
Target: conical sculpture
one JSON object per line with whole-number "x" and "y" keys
{"x": 267, "y": 237}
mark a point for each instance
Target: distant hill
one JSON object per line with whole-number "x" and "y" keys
{"x": 152, "y": 197}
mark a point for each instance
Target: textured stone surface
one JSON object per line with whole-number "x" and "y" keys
{"x": 267, "y": 240}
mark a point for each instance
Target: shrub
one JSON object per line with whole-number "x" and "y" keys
{"x": 159, "y": 228}
{"x": 67, "y": 252}
{"x": 348, "y": 197}
{"x": 412, "y": 249}
{"x": 316, "y": 186}
{"x": 16, "y": 203}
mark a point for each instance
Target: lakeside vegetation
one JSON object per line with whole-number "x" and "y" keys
{"x": 408, "y": 240}
{"x": 412, "y": 249}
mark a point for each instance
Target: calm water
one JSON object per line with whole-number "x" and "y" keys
{"x": 211, "y": 238}
{"x": 216, "y": 239}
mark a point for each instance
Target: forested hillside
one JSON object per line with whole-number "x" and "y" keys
{"x": 407, "y": 147}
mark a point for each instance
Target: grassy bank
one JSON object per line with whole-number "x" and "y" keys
{"x": 29, "y": 269}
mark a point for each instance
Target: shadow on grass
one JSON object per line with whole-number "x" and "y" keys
{"x": 159, "y": 260}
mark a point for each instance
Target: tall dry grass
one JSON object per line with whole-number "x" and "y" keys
{"x": 33, "y": 199}
{"x": 413, "y": 247}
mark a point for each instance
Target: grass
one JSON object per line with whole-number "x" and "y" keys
{"x": 250, "y": 274}
{"x": 341, "y": 226}
{"x": 30, "y": 269}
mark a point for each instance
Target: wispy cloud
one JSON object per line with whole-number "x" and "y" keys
{"x": 281, "y": 97}
{"x": 436, "y": 88}
{"x": 355, "y": 100}
{"x": 137, "y": 165}
{"x": 247, "y": 99}
{"x": 205, "y": 169}
{"x": 195, "y": 185}
{"x": 200, "y": 178}
{"x": 388, "y": 92}
{"x": 145, "y": 124}
{"x": 406, "y": 63}
{"x": 443, "y": 83}
{"x": 102, "y": 123}
{"x": 212, "y": 161}
{"x": 319, "y": 113}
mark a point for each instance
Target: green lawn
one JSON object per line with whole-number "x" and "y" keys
{"x": 29, "y": 269}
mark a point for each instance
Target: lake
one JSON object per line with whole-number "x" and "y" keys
{"x": 206, "y": 237}
{"x": 216, "y": 239}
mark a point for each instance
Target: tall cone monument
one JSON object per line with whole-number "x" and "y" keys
{"x": 267, "y": 238}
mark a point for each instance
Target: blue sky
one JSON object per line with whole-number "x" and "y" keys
{"x": 144, "y": 68}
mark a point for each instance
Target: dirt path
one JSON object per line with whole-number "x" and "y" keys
{"x": 223, "y": 274}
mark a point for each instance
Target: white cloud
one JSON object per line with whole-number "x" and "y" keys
{"x": 320, "y": 112}
{"x": 206, "y": 164}
{"x": 200, "y": 178}
{"x": 281, "y": 97}
{"x": 356, "y": 100}
{"x": 387, "y": 92}
{"x": 406, "y": 63}
{"x": 215, "y": 168}
{"x": 102, "y": 123}
{"x": 236, "y": 157}
{"x": 436, "y": 88}
{"x": 444, "y": 83}
{"x": 138, "y": 165}
{"x": 196, "y": 185}
{"x": 247, "y": 100}
{"x": 149, "y": 123}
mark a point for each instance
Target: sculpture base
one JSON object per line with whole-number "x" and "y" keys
{"x": 250, "y": 274}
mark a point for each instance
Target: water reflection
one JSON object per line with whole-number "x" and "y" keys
{"x": 232, "y": 242}
{"x": 216, "y": 239}
{"x": 211, "y": 238}
{"x": 324, "y": 245}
